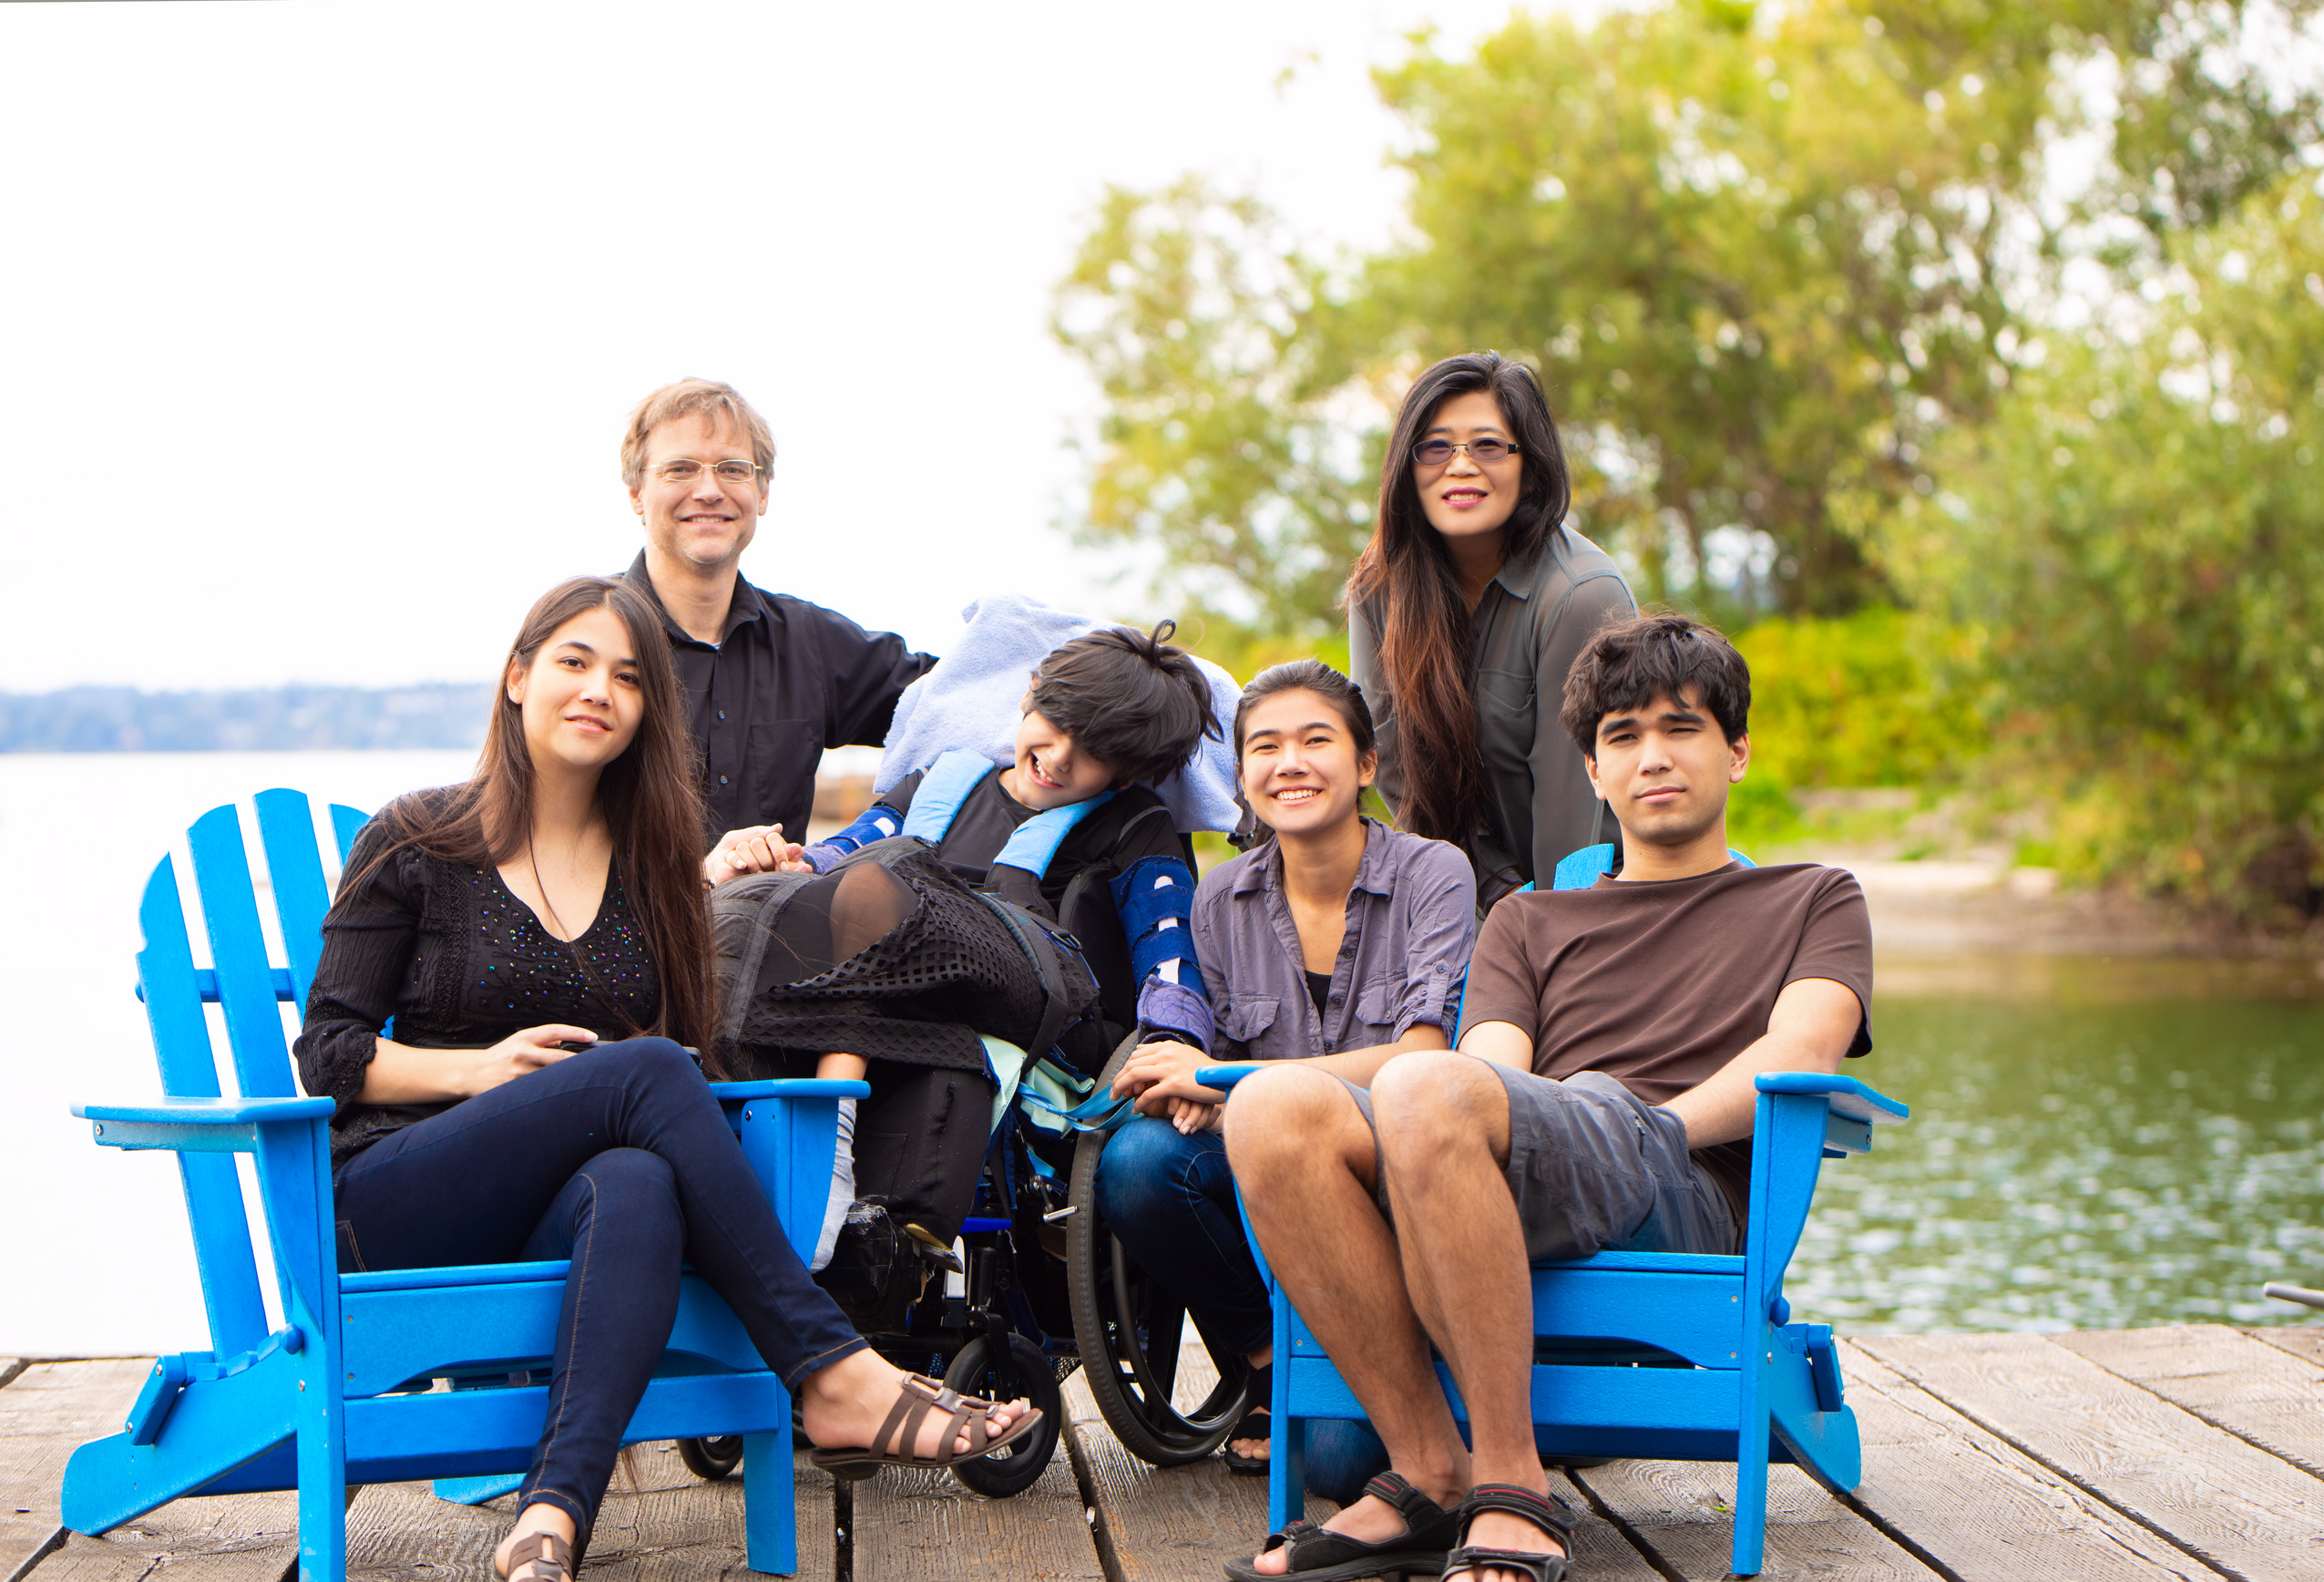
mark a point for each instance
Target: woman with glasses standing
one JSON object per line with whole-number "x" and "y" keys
{"x": 1466, "y": 610}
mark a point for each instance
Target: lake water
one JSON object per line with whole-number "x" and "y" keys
{"x": 2094, "y": 1143}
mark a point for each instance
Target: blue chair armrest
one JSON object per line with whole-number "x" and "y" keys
{"x": 209, "y": 1112}
{"x": 1225, "y": 1076}
{"x": 1850, "y": 1097}
{"x": 799, "y": 1087}
{"x": 199, "y": 1125}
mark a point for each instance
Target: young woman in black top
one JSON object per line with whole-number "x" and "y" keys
{"x": 538, "y": 937}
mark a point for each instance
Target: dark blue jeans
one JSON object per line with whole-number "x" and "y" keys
{"x": 620, "y": 1159}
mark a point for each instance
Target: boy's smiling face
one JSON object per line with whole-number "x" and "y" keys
{"x": 1050, "y": 771}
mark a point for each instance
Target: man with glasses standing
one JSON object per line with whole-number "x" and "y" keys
{"x": 770, "y": 681}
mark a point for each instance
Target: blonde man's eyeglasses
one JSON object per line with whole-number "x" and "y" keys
{"x": 731, "y": 471}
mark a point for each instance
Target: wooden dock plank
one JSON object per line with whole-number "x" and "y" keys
{"x": 2300, "y": 1339}
{"x": 670, "y": 1525}
{"x": 2255, "y": 1391}
{"x": 1169, "y": 1524}
{"x": 1683, "y": 1513}
{"x": 924, "y": 1526}
{"x": 659, "y": 1523}
{"x": 1927, "y": 1468}
{"x": 2240, "y": 1508}
{"x": 47, "y": 1411}
{"x": 1162, "y": 1523}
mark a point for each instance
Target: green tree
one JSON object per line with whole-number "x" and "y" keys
{"x": 1221, "y": 444}
{"x": 1767, "y": 263}
{"x": 2136, "y": 555}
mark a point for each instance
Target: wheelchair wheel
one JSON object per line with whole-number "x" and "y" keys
{"x": 1127, "y": 1330}
{"x": 1017, "y": 1468}
{"x": 712, "y": 1458}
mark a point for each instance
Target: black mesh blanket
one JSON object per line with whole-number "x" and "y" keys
{"x": 889, "y": 956}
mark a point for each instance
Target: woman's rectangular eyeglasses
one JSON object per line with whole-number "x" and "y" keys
{"x": 1483, "y": 451}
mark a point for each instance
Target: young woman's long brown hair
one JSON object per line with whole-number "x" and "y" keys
{"x": 1406, "y": 573}
{"x": 652, "y": 806}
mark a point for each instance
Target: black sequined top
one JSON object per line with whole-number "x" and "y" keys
{"x": 459, "y": 963}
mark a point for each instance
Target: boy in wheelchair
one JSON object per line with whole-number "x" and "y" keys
{"x": 977, "y": 919}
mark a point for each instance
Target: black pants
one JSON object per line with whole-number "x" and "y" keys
{"x": 620, "y": 1160}
{"x": 920, "y": 1143}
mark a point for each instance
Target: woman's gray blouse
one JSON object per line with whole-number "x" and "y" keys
{"x": 1411, "y": 920}
{"x": 1531, "y": 626}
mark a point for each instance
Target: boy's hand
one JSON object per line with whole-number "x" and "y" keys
{"x": 1160, "y": 1072}
{"x": 1190, "y": 1116}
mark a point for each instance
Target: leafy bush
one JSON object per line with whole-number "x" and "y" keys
{"x": 2135, "y": 556}
{"x": 1853, "y": 702}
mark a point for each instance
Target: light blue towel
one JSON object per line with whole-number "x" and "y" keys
{"x": 975, "y": 697}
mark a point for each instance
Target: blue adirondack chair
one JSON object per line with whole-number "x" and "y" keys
{"x": 338, "y": 1393}
{"x": 1656, "y": 1355}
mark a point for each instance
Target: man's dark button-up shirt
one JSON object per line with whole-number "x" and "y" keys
{"x": 786, "y": 680}
{"x": 1411, "y": 919}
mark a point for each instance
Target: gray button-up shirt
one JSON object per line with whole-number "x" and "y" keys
{"x": 1411, "y": 921}
{"x": 1531, "y": 626}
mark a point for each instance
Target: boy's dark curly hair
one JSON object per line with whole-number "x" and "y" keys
{"x": 1629, "y": 662}
{"x": 1128, "y": 699}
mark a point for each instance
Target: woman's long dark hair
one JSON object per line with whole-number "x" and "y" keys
{"x": 1424, "y": 621}
{"x": 650, "y": 802}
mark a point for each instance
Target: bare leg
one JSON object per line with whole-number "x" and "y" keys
{"x": 1303, "y": 1159}
{"x": 1444, "y": 1137}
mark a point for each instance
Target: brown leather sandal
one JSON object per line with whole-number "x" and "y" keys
{"x": 551, "y": 1558}
{"x": 916, "y": 1398}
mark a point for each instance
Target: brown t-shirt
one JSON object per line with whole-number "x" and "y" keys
{"x": 1659, "y": 984}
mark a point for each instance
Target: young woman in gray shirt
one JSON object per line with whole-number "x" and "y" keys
{"x": 1337, "y": 941}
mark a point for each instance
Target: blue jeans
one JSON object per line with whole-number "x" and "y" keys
{"x": 620, "y": 1159}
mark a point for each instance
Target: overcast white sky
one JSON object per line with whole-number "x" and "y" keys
{"x": 318, "y": 322}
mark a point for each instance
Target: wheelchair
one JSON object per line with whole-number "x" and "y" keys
{"x": 1033, "y": 1287}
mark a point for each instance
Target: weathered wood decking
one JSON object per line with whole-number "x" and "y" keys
{"x": 2192, "y": 1453}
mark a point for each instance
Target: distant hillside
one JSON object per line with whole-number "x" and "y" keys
{"x": 102, "y": 719}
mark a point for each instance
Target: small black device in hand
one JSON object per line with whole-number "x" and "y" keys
{"x": 575, "y": 1046}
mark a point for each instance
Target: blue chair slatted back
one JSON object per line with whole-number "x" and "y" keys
{"x": 249, "y": 991}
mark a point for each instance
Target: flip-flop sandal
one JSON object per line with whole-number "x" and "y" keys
{"x": 1319, "y": 1554}
{"x": 916, "y": 1398}
{"x": 1252, "y": 1425}
{"x": 1549, "y": 1513}
{"x": 551, "y": 1558}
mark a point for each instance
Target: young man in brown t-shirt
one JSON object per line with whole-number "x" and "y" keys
{"x": 1601, "y": 1096}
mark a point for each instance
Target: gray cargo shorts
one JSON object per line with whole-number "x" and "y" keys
{"x": 1595, "y": 1168}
